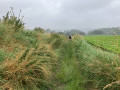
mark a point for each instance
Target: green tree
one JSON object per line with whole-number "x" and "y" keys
{"x": 39, "y": 29}
{"x": 96, "y": 32}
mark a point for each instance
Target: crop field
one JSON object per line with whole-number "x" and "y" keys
{"x": 108, "y": 42}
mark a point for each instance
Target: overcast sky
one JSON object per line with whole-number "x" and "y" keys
{"x": 66, "y": 14}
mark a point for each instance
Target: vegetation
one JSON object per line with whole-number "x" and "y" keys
{"x": 105, "y": 31}
{"x": 39, "y": 29}
{"x": 109, "y": 43}
{"x": 14, "y": 22}
{"x": 69, "y": 74}
{"x": 26, "y": 59}
{"x": 84, "y": 67}
{"x": 35, "y": 60}
{"x": 72, "y": 32}
{"x": 95, "y": 32}
{"x": 26, "y": 62}
{"x": 99, "y": 68}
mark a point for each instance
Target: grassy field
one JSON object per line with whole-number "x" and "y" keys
{"x": 109, "y": 43}
{"x": 35, "y": 60}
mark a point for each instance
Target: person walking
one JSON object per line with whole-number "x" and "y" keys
{"x": 70, "y": 37}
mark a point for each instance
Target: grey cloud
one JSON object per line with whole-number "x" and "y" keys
{"x": 66, "y": 14}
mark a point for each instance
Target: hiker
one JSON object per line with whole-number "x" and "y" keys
{"x": 70, "y": 37}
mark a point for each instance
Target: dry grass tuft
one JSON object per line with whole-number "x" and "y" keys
{"x": 28, "y": 70}
{"x": 110, "y": 85}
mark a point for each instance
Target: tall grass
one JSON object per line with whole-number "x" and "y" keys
{"x": 99, "y": 67}
{"x": 85, "y": 67}
{"x": 69, "y": 74}
{"x": 27, "y": 38}
{"x": 12, "y": 21}
{"x": 2, "y": 55}
{"x": 26, "y": 60}
{"x": 31, "y": 69}
{"x": 56, "y": 40}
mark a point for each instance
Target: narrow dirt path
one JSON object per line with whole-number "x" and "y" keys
{"x": 69, "y": 74}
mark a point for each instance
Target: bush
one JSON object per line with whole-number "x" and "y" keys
{"x": 39, "y": 29}
{"x": 26, "y": 38}
{"x": 55, "y": 40}
{"x": 15, "y": 22}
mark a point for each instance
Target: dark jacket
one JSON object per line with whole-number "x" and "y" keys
{"x": 70, "y": 37}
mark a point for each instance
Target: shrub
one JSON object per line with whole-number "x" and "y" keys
{"x": 15, "y": 22}
{"x": 26, "y": 38}
{"x": 55, "y": 40}
{"x": 39, "y": 29}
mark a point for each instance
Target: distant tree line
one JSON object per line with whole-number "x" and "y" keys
{"x": 72, "y": 32}
{"x": 106, "y": 31}
{"x": 96, "y": 32}
{"x": 67, "y": 33}
{"x": 102, "y": 31}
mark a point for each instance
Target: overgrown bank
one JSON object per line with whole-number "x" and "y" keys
{"x": 98, "y": 67}
{"x": 84, "y": 67}
{"x": 26, "y": 60}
